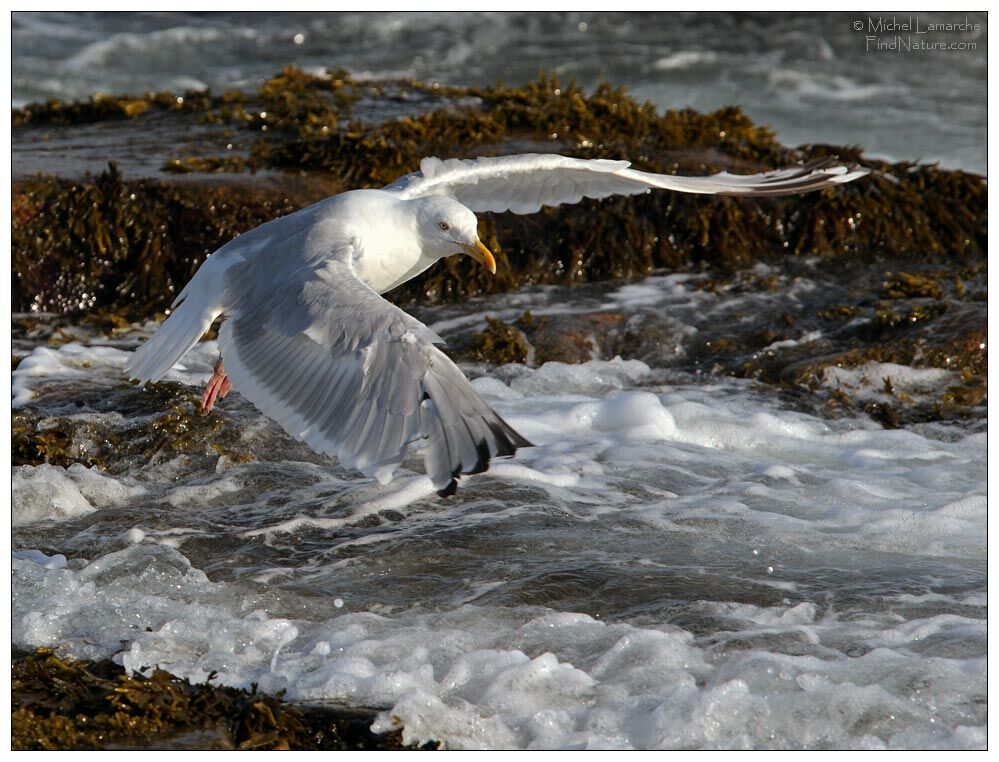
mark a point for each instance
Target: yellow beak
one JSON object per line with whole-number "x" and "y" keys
{"x": 480, "y": 254}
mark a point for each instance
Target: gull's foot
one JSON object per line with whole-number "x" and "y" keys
{"x": 218, "y": 387}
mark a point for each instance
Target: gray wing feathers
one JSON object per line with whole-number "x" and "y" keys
{"x": 463, "y": 431}
{"x": 355, "y": 377}
{"x": 524, "y": 183}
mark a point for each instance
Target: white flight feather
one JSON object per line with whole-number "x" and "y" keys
{"x": 524, "y": 183}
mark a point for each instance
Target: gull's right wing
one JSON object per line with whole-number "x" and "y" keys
{"x": 524, "y": 183}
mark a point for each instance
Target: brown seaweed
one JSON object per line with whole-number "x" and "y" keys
{"x": 63, "y": 704}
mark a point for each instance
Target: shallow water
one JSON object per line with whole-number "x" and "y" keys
{"x": 683, "y": 561}
{"x": 812, "y": 77}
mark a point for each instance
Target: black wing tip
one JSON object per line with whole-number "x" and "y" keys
{"x": 452, "y": 486}
{"x": 507, "y": 442}
{"x": 520, "y": 441}
{"x": 805, "y": 178}
{"x": 508, "y": 439}
{"x": 450, "y": 489}
{"x": 815, "y": 170}
{"x": 482, "y": 458}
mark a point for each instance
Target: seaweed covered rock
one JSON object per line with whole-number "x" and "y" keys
{"x": 66, "y": 704}
{"x": 124, "y": 246}
{"x": 153, "y": 423}
{"x": 903, "y": 248}
{"x": 128, "y": 244}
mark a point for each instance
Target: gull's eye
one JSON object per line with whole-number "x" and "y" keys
{"x": 443, "y": 226}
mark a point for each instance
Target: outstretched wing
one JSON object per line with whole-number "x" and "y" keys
{"x": 523, "y": 184}
{"x": 354, "y": 376}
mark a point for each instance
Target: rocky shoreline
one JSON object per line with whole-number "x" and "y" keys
{"x": 905, "y": 246}
{"x": 900, "y": 258}
{"x": 67, "y": 704}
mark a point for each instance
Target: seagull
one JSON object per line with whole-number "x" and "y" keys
{"x": 307, "y": 338}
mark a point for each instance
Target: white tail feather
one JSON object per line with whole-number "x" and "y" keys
{"x": 176, "y": 336}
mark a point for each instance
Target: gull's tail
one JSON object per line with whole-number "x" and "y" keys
{"x": 197, "y": 309}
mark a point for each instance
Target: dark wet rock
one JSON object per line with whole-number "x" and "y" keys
{"x": 62, "y": 704}
{"x": 208, "y": 164}
{"x": 103, "y": 107}
{"x": 501, "y": 343}
{"x": 105, "y": 241}
{"x": 788, "y": 327}
{"x": 145, "y": 425}
{"x": 902, "y": 285}
{"x": 574, "y": 338}
{"x": 901, "y": 252}
{"x": 946, "y": 333}
{"x": 535, "y": 340}
{"x": 124, "y": 246}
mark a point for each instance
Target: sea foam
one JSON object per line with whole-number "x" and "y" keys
{"x": 681, "y": 566}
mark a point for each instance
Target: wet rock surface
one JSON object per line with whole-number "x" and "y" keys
{"x": 793, "y": 327}
{"x": 116, "y": 241}
{"x": 64, "y": 704}
{"x": 817, "y": 297}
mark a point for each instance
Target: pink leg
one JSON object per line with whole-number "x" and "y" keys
{"x": 218, "y": 387}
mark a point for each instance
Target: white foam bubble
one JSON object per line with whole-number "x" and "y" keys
{"x": 718, "y": 494}
{"x": 46, "y": 367}
{"x": 493, "y": 388}
{"x": 460, "y": 676}
{"x": 55, "y": 561}
{"x": 595, "y": 377}
{"x": 636, "y": 415}
{"x": 47, "y": 492}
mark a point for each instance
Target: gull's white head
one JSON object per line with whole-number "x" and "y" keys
{"x": 446, "y": 227}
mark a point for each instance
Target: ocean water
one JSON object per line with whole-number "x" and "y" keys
{"x": 684, "y": 561}
{"x": 815, "y": 78}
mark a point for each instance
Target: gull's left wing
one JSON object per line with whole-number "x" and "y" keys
{"x": 524, "y": 183}
{"x": 352, "y": 375}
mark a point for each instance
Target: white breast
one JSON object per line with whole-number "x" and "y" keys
{"x": 386, "y": 251}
